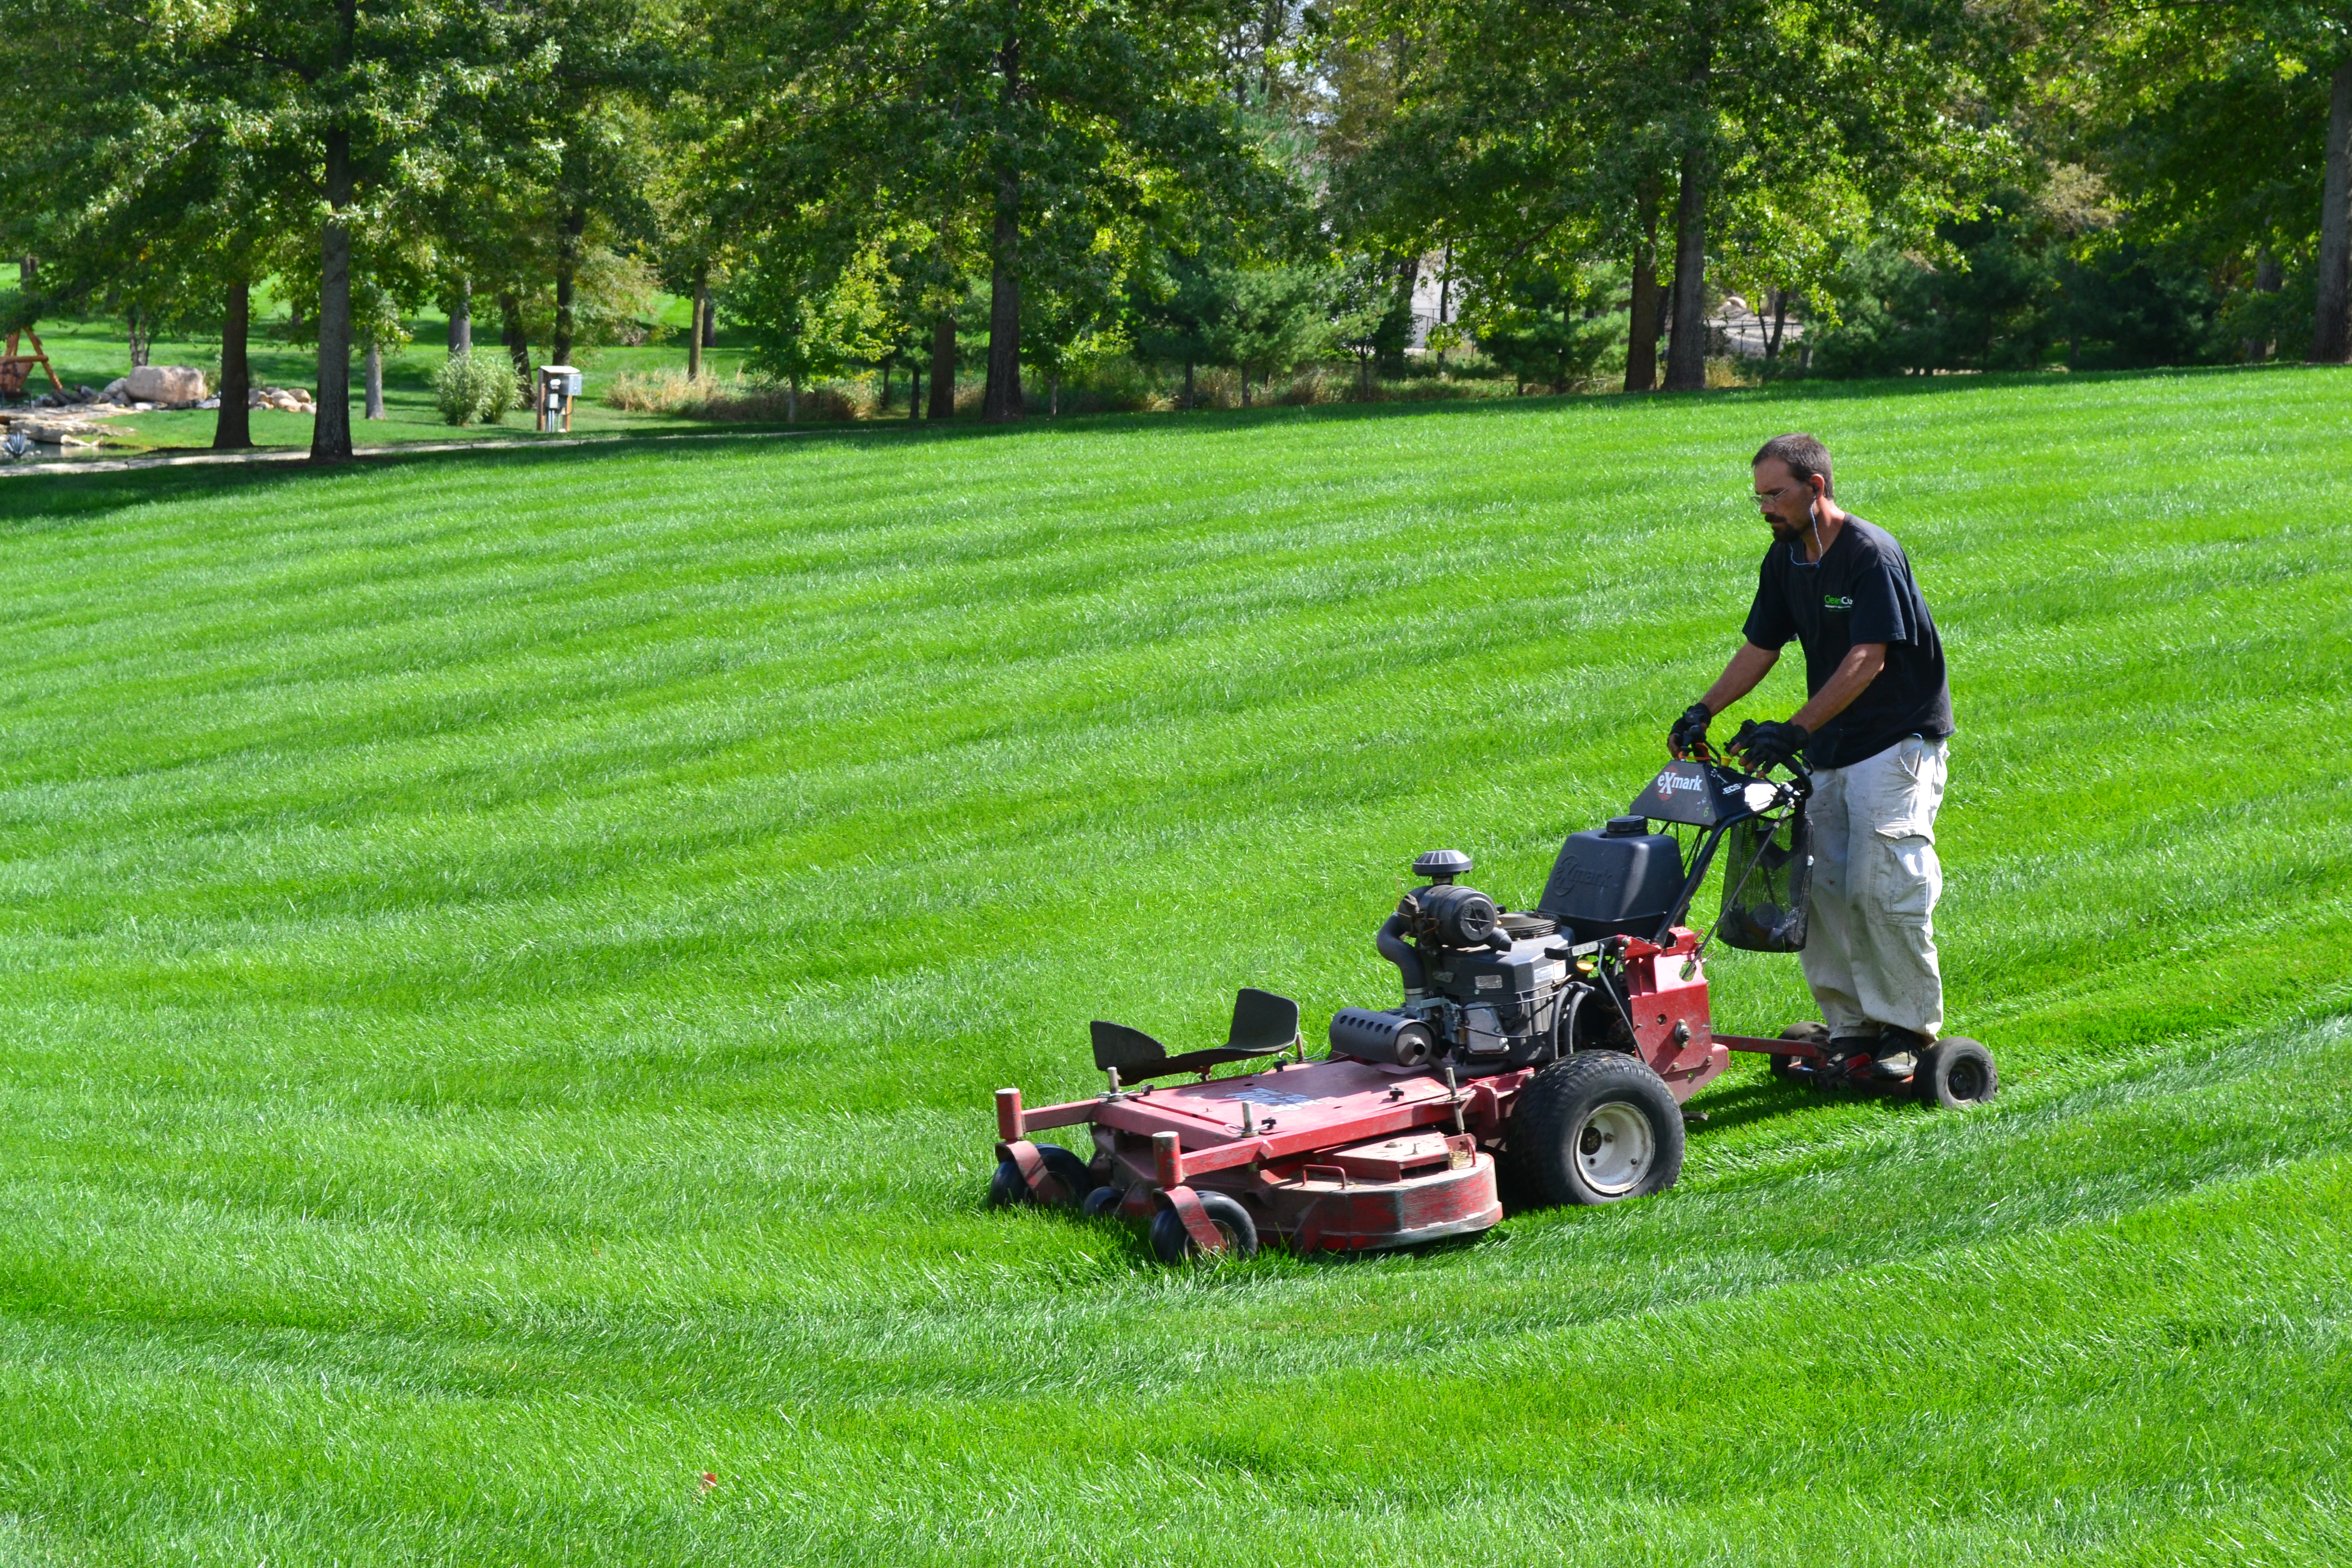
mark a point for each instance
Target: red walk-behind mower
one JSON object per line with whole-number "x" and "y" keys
{"x": 1560, "y": 1041}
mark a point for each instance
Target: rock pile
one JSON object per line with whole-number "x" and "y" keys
{"x": 291, "y": 400}
{"x": 70, "y": 431}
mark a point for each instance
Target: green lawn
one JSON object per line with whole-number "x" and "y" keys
{"x": 508, "y": 954}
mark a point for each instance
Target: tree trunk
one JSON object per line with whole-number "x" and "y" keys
{"x": 511, "y": 334}
{"x": 2269, "y": 279}
{"x": 374, "y": 378}
{"x": 943, "y": 367}
{"x": 1001, "y": 404}
{"x": 1642, "y": 339}
{"x": 1271, "y": 17}
{"x": 1444, "y": 292}
{"x": 567, "y": 273}
{"x": 791, "y": 400}
{"x": 915, "y": 389}
{"x": 139, "y": 338}
{"x": 1053, "y": 395}
{"x": 232, "y": 430}
{"x": 2331, "y": 327}
{"x": 1780, "y": 324}
{"x": 1188, "y": 386}
{"x": 709, "y": 322}
{"x": 1686, "y": 350}
{"x": 461, "y": 319}
{"x": 693, "y": 333}
{"x": 330, "y": 432}
{"x": 1408, "y": 273}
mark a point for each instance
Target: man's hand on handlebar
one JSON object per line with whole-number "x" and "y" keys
{"x": 1689, "y": 732}
{"x": 1770, "y": 744}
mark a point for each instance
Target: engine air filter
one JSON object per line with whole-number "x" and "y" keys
{"x": 1441, "y": 865}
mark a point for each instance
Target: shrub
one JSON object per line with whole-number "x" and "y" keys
{"x": 470, "y": 386}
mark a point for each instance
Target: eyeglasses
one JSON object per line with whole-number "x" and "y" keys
{"x": 1766, "y": 498}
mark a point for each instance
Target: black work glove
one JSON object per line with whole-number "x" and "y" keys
{"x": 1771, "y": 744}
{"x": 1689, "y": 732}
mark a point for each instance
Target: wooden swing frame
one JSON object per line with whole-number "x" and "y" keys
{"x": 17, "y": 368}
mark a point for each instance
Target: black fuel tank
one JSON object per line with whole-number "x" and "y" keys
{"x": 1614, "y": 881}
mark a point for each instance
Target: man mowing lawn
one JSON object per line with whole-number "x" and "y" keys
{"x": 1873, "y": 729}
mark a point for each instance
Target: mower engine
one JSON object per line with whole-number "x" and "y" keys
{"x": 1487, "y": 990}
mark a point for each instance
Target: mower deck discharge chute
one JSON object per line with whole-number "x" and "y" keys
{"x": 1558, "y": 1042}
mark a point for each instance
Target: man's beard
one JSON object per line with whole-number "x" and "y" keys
{"x": 1789, "y": 533}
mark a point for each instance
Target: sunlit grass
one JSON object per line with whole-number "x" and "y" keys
{"x": 507, "y": 958}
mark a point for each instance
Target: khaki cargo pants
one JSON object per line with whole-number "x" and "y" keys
{"x": 1870, "y": 953}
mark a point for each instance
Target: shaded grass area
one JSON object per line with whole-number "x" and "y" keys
{"x": 506, "y": 962}
{"x": 93, "y": 353}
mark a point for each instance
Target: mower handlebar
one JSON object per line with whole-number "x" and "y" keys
{"x": 1706, "y": 751}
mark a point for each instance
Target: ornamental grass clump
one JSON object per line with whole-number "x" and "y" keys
{"x": 470, "y": 387}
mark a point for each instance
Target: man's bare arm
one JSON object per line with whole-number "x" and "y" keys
{"x": 1749, "y": 667}
{"x": 1855, "y": 671}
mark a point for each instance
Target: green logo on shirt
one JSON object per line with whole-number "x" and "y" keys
{"x": 1836, "y": 601}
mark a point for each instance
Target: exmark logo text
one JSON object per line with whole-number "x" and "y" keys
{"x": 1670, "y": 781}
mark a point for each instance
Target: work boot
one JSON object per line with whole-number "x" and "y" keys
{"x": 1899, "y": 1053}
{"x": 1839, "y": 1057}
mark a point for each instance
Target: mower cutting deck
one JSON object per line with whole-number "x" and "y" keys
{"x": 1561, "y": 1041}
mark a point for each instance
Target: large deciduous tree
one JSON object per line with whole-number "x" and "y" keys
{"x": 230, "y": 127}
{"x": 1657, "y": 126}
{"x": 2225, "y": 131}
{"x": 1044, "y": 125}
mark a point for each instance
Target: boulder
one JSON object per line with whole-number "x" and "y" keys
{"x": 165, "y": 384}
{"x": 117, "y": 391}
{"x": 56, "y": 435}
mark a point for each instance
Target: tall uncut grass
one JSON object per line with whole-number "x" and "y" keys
{"x": 508, "y": 960}
{"x": 1114, "y": 386}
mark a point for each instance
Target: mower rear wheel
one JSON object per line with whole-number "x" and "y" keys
{"x": 1172, "y": 1244}
{"x": 1008, "y": 1186}
{"x": 1103, "y": 1203}
{"x": 1956, "y": 1073}
{"x": 1596, "y": 1129}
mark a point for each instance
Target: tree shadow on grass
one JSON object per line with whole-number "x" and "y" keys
{"x": 34, "y": 501}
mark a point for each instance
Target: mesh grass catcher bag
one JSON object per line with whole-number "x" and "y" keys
{"x": 1767, "y": 871}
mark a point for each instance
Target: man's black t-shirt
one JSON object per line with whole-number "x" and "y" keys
{"x": 1860, "y": 590}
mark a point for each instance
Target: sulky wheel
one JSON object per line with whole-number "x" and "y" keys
{"x": 1173, "y": 1244}
{"x": 1598, "y": 1127}
{"x": 1956, "y": 1073}
{"x": 1785, "y": 1068}
{"x": 1103, "y": 1203}
{"x": 1007, "y": 1187}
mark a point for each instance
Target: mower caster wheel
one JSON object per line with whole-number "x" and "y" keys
{"x": 1785, "y": 1068}
{"x": 1956, "y": 1073}
{"x": 1103, "y": 1203}
{"x": 1008, "y": 1187}
{"x": 1598, "y": 1127}
{"x": 1172, "y": 1244}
